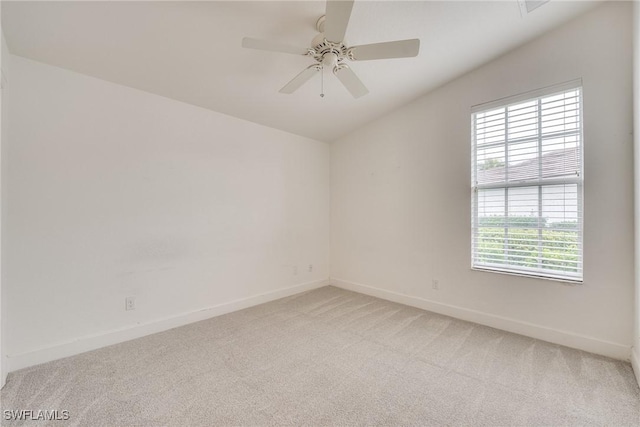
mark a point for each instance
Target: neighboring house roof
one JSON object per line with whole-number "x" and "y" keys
{"x": 555, "y": 164}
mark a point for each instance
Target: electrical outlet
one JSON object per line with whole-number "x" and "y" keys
{"x": 310, "y": 268}
{"x": 435, "y": 284}
{"x": 130, "y": 303}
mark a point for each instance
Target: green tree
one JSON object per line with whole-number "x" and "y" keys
{"x": 491, "y": 163}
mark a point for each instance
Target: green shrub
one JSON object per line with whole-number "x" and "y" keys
{"x": 558, "y": 249}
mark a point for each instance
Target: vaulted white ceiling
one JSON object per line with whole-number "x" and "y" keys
{"x": 190, "y": 51}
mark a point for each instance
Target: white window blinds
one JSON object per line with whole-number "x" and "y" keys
{"x": 527, "y": 184}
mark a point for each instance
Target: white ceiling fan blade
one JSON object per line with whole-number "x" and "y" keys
{"x": 273, "y": 46}
{"x": 396, "y": 49}
{"x": 351, "y": 81}
{"x": 336, "y": 19}
{"x": 301, "y": 79}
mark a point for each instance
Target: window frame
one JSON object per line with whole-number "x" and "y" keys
{"x": 506, "y": 102}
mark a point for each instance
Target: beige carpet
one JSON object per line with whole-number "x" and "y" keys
{"x": 331, "y": 357}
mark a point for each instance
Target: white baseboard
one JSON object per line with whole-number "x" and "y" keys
{"x": 556, "y": 336}
{"x": 92, "y": 342}
{"x": 635, "y": 362}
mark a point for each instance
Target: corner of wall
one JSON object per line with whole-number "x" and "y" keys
{"x": 635, "y": 363}
{"x": 635, "y": 355}
{"x": 4, "y": 76}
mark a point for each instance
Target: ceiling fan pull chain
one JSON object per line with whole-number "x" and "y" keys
{"x": 322, "y": 82}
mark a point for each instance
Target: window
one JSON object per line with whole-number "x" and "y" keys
{"x": 527, "y": 184}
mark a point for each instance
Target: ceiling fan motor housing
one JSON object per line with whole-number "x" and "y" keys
{"x": 329, "y": 53}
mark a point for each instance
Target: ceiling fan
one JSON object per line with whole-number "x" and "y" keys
{"x": 328, "y": 49}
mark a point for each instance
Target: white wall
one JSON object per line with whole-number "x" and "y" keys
{"x": 401, "y": 195}
{"x": 636, "y": 117}
{"x": 4, "y": 110}
{"x": 114, "y": 192}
